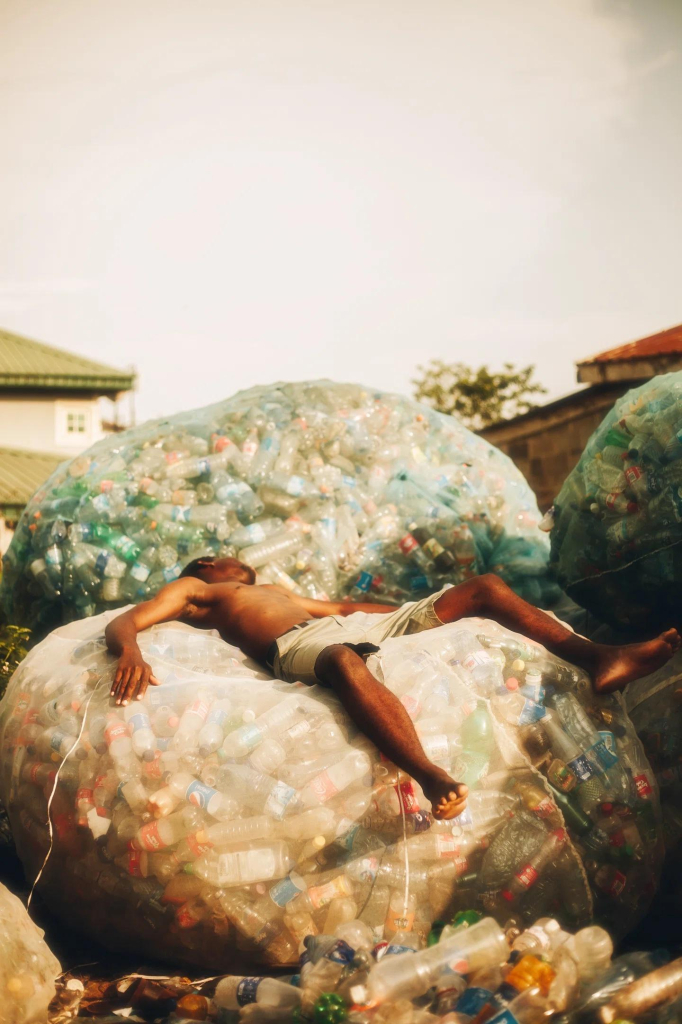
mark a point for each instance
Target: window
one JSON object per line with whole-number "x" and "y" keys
{"x": 75, "y": 423}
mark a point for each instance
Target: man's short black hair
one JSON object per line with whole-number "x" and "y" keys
{"x": 197, "y": 568}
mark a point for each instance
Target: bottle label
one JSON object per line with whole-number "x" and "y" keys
{"x": 57, "y": 738}
{"x": 433, "y": 547}
{"x": 285, "y": 891}
{"x": 84, "y": 795}
{"x": 473, "y": 1000}
{"x": 217, "y": 717}
{"x": 408, "y": 797}
{"x": 180, "y": 513}
{"x": 531, "y": 712}
{"x": 198, "y": 843}
{"x": 606, "y": 749}
{"x": 199, "y": 794}
{"x": 527, "y": 876}
{"x": 642, "y": 786}
{"x": 140, "y": 572}
{"x": 279, "y": 799}
{"x": 171, "y": 572}
{"x": 392, "y": 950}
{"x": 446, "y": 846}
{"x": 408, "y": 544}
{"x": 476, "y": 658}
{"x": 365, "y": 870}
{"x": 102, "y": 562}
{"x": 323, "y": 787}
{"x": 250, "y": 736}
{"x": 504, "y": 1017}
{"x": 545, "y": 808}
{"x": 321, "y": 895}
{"x": 364, "y": 582}
{"x": 148, "y": 837}
{"x": 340, "y": 953}
{"x": 139, "y": 721}
{"x": 246, "y": 990}
{"x": 134, "y": 864}
{"x": 346, "y": 838}
{"x": 582, "y": 768}
{"x": 198, "y": 707}
{"x": 401, "y": 920}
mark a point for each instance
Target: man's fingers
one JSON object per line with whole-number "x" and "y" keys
{"x": 132, "y": 684}
{"x": 154, "y": 681}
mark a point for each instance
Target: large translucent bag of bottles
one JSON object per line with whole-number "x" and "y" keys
{"x": 27, "y": 967}
{"x": 655, "y": 707}
{"x": 228, "y": 814}
{"x": 327, "y": 489}
{"x": 618, "y": 517}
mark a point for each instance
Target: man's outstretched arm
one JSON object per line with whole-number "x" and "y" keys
{"x": 133, "y": 674}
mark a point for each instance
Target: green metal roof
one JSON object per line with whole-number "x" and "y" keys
{"x": 28, "y": 364}
{"x": 21, "y": 474}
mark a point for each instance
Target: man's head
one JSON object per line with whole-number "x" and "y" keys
{"x": 220, "y": 570}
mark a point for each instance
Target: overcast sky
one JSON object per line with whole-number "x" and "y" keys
{"x": 231, "y": 192}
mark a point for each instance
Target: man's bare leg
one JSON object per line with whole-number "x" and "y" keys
{"x": 611, "y": 668}
{"x": 381, "y": 716}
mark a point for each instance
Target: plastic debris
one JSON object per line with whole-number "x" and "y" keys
{"x": 618, "y": 518}
{"x": 473, "y": 972}
{"x": 328, "y": 489}
{"x": 27, "y": 967}
{"x": 228, "y": 817}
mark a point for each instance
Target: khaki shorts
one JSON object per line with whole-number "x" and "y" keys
{"x": 299, "y": 649}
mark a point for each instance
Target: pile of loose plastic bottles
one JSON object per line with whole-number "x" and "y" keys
{"x": 230, "y": 815}
{"x": 327, "y": 489}
{"x": 27, "y": 967}
{"x": 618, "y": 518}
{"x": 468, "y": 971}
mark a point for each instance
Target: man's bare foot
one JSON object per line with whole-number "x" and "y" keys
{"x": 617, "y": 666}
{"x": 447, "y": 797}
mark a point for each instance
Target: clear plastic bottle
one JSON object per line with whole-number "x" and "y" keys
{"x": 473, "y": 948}
{"x": 234, "y": 992}
{"x": 244, "y": 864}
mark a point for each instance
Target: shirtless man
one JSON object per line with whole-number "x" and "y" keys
{"x": 299, "y": 639}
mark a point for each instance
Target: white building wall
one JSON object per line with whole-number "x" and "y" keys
{"x": 42, "y": 424}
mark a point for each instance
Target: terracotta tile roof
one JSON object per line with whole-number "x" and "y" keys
{"x": 25, "y": 363}
{"x": 664, "y": 343}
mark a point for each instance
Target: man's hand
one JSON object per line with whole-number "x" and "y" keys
{"x": 133, "y": 675}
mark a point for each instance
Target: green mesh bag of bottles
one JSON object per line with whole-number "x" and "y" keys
{"x": 618, "y": 517}
{"x": 331, "y": 490}
{"x": 228, "y": 817}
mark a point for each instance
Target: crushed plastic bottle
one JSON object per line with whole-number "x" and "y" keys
{"x": 331, "y": 490}
{"x": 617, "y": 522}
{"x": 232, "y": 815}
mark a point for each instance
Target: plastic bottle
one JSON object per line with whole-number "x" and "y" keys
{"x": 136, "y": 717}
{"x": 244, "y": 864}
{"x": 233, "y": 992}
{"x": 481, "y": 945}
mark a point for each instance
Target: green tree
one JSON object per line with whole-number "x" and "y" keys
{"x": 478, "y": 397}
